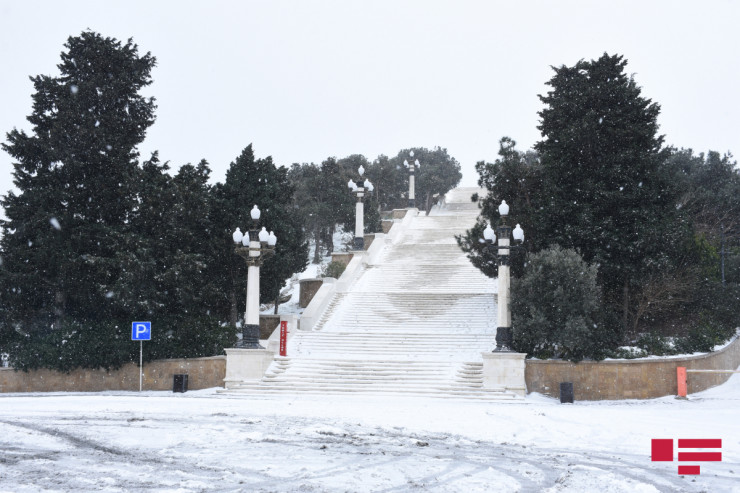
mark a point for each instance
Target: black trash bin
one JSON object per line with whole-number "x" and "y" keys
{"x": 566, "y": 392}
{"x": 180, "y": 383}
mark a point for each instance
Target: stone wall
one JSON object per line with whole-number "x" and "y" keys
{"x": 308, "y": 289}
{"x": 342, "y": 257}
{"x": 202, "y": 373}
{"x": 630, "y": 379}
{"x": 368, "y": 239}
{"x": 268, "y": 324}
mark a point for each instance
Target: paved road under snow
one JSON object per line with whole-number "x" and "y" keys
{"x": 200, "y": 441}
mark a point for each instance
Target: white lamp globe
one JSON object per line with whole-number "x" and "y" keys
{"x": 237, "y": 236}
{"x": 255, "y": 213}
{"x": 264, "y": 235}
{"x": 417, "y": 163}
{"x": 503, "y": 209}
{"x": 518, "y": 233}
{"x": 361, "y": 170}
{"x": 272, "y": 239}
{"x": 488, "y": 233}
{"x": 411, "y": 153}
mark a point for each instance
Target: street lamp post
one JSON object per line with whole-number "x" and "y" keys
{"x": 253, "y": 246}
{"x": 503, "y": 333}
{"x": 411, "y": 167}
{"x": 361, "y": 190}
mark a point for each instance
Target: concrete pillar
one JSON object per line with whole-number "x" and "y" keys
{"x": 359, "y": 242}
{"x": 504, "y": 287}
{"x": 252, "y": 315}
{"x": 246, "y": 364}
{"x": 251, "y": 329}
{"x": 412, "y": 196}
{"x": 504, "y": 370}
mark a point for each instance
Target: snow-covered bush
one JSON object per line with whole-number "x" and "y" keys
{"x": 333, "y": 269}
{"x": 556, "y": 308}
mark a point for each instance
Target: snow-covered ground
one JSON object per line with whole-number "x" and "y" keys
{"x": 203, "y": 441}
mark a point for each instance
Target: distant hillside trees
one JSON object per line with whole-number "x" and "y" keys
{"x": 324, "y": 203}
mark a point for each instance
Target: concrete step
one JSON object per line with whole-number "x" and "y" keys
{"x": 389, "y": 345}
{"x": 501, "y": 396}
{"x": 425, "y": 279}
{"x": 414, "y": 323}
{"x": 405, "y": 312}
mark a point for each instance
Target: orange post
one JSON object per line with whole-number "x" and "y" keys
{"x": 681, "y": 377}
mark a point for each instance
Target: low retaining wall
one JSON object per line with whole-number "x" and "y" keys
{"x": 202, "y": 373}
{"x": 268, "y": 323}
{"x": 630, "y": 379}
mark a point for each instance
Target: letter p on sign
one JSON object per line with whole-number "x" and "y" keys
{"x": 141, "y": 331}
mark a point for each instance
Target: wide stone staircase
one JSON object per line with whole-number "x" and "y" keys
{"x": 414, "y": 322}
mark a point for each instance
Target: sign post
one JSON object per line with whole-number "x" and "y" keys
{"x": 141, "y": 331}
{"x": 283, "y": 338}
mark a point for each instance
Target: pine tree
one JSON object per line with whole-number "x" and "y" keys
{"x": 68, "y": 226}
{"x": 250, "y": 182}
{"x": 515, "y": 177}
{"x": 390, "y": 180}
{"x": 607, "y": 190}
{"x": 438, "y": 174}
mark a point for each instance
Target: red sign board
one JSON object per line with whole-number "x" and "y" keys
{"x": 283, "y": 338}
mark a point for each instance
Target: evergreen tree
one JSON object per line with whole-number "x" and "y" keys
{"x": 556, "y": 308}
{"x": 438, "y": 174}
{"x": 324, "y": 202}
{"x": 67, "y": 228}
{"x": 390, "y": 182}
{"x": 607, "y": 191}
{"x": 307, "y": 181}
{"x": 711, "y": 191}
{"x": 515, "y": 177}
{"x": 250, "y": 182}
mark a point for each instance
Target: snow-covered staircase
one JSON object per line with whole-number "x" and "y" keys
{"x": 415, "y": 322}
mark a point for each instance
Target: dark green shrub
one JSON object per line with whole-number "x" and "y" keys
{"x": 655, "y": 344}
{"x": 556, "y": 308}
{"x": 333, "y": 269}
{"x": 703, "y": 338}
{"x": 76, "y": 344}
{"x": 192, "y": 337}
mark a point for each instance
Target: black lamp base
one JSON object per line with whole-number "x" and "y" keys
{"x": 250, "y": 337}
{"x": 504, "y": 340}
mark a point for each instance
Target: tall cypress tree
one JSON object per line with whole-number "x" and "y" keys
{"x": 76, "y": 172}
{"x": 607, "y": 190}
{"x": 250, "y": 182}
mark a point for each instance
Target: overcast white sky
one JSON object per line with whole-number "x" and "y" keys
{"x": 304, "y": 80}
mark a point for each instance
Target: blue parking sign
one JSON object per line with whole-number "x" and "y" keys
{"x": 141, "y": 331}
